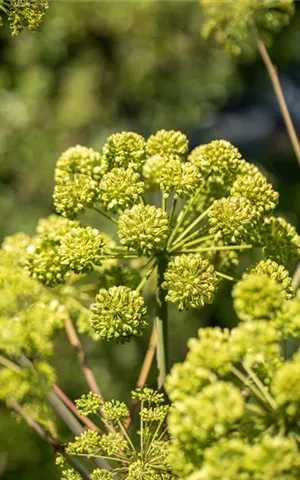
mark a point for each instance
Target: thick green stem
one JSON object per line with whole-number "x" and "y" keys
{"x": 161, "y": 322}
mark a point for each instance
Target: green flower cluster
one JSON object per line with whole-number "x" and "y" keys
{"x": 60, "y": 247}
{"x": 213, "y": 206}
{"x": 234, "y": 24}
{"x": 191, "y": 282}
{"x": 23, "y": 14}
{"x": 148, "y": 462}
{"x": 236, "y": 410}
{"x": 30, "y": 315}
{"x": 118, "y": 314}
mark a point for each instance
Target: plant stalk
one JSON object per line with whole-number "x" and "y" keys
{"x": 273, "y": 74}
{"x": 161, "y": 323}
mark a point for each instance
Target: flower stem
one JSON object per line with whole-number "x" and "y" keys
{"x": 77, "y": 345}
{"x": 57, "y": 446}
{"x": 146, "y": 277}
{"x": 173, "y": 210}
{"x": 273, "y": 74}
{"x": 146, "y": 367}
{"x": 111, "y": 219}
{"x": 161, "y": 323}
{"x": 66, "y": 400}
{"x": 184, "y": 213}
{"x": 214, "y": 249}
{"x": 296, "y": 277}
{"x": 226, "y": 277}
{"x": 186, "y": 243}
{"x": 193, "y": 224}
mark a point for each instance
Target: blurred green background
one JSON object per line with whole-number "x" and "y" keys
{"x": 99, "y": 67}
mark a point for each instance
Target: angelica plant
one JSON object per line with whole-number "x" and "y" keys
{"x": 182, "y": 219}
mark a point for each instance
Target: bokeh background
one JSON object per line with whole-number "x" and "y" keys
{"x": 94, "y": 68}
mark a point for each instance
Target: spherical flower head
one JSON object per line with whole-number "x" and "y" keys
{"x": 226, "y": 455}
{"x": 118, "y": 314}
{"x": 81, "y": 249}
{"x": 257, "y": 190}
{"x": 89, "y": 404}
{"x": 114, "y": 411}
{"x": 152, "y": 169}
{"x": 276, "y": 272}
{"x": 282, "y": 243}
{"x": 288, "y": 319}
{"x": 89, "y": 442}
{"x": 125, "y": 149}
{"x": 101, "y": 474}
{"x": 141, "y": 470}
{"x": 187, "y": 379}
{"x": 120, "y": 189}
{"x": 179, "y": 178}
{"x": 72, "y": 196}
{"x": 257, "y": 297}
{"x": 167, "y": 143}
{"x": 71, "y": 474}
{"x": 232, "y": 219}
{"x": 191, "y": 282}
{"x": 257, "y": 346}
{"x": 80, "y": 160}
{"x": 44, "y": 264}
{"x": 16, "y": 245}
{"x": 218, "y": 157}
{"x": 216, "y": 409}
{"x": 273, "y": 457}
{"x": 54, "y": 227}
{"x": 268, "y": 458}
{"x": 286, "y": 388}
{"x": 144, "y": 228}
{"x": 212, "y": 350}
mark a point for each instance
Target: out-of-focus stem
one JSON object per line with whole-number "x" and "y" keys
{"x": 273, "y": 74}
{"x": 66, "y": 400}
{"x": 146, "y": 367}
{"x": 57, "y": 446}
{"x": 77, "y": 345}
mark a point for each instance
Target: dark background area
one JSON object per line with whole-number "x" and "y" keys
{"x": 94, "y": 68}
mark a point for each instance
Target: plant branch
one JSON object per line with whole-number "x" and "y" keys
{"x": 273, "y": 74}
{"x": 161, "y": 324}
{"x": 186, "y": 243}
{"x": 193, "y": 224}
{"x": 214, "y": 249}
{"x": 66, "y": 400}
{"x": 296, "y": 277}
{"x": 106, "y": 215}
{"x": 226, "y": 277}
{"x": 77, "y": 345}
{"x": 57, "y": 446}
{"x": 71, "y": 422}
{"x": 184, "y": 212}
{"x": 146, "y": 367}
{"x": 146, "y": 277}
{"x": 9, "y": 364}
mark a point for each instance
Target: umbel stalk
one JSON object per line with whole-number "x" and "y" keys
{"x": 161, "y": 322}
